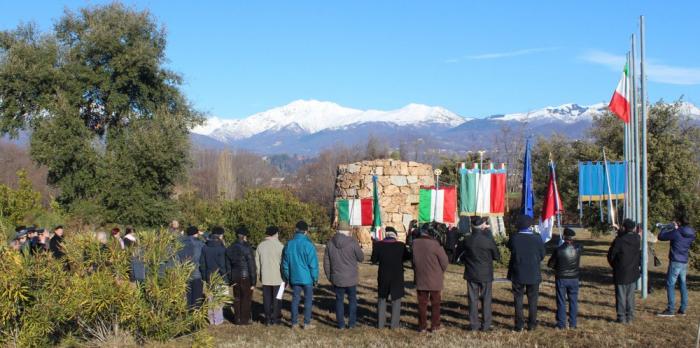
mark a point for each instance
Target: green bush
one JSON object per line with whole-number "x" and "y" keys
{"x": 87, "y": 295}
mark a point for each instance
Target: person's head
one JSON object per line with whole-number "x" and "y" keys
{"x": 479, "y": 222}
{"x": 42, "y": 234}
{"x": 217, "y": 232}
{"x": 272, "y": 231}
{"x": 129, "y": 230}
{"x": 412, "y": 224}
{"x": 58, "y": 230}
{"x": 425, "y": 230}
{"x": 523, "y": 222}
{"x": 174, "y": 225}
{"x": 115, "y": 232}
{"x": 101, "y": 237}
{"x": 682, "y": 218}
{"x": 390, "y": 232}
{"x": 191, "y": 230}
{"x": 569, "y": 234}
{"x": 242, "y": 232}
{"x": 302, "y": 226}
{"x": 31, "y": 232}
{"x": 21, "y": 236}
{"x": 344, "y": 226}
{"x": 628, "y": 226}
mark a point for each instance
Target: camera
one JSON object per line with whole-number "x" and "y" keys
{"x": 665, "y": 226}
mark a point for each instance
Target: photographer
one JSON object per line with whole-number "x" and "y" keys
{"x": 681, "y": 238}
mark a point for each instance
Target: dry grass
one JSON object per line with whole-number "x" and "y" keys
{"x": 595, "y": 321}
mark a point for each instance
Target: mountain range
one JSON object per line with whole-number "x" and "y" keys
{"x": 305, "y": 127}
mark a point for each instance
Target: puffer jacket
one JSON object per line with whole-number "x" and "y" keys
{"x": 241, "y": 263}
{"x": 340, "y": 260}
{"x": 299, "y": 261}
{"x": 191, "y": 251}
{"x": 214, "y": 259}
{"x": 681, "y": 239}
{"x": 565, "y": 261}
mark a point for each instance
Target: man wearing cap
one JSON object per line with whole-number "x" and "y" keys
{"x": 340, "y": 266}
{"x": 242, "y": 275}
{"x": 565, "y": 261}
{"x": 20, "y": 240}
{"x": 430, "y": 262}
{"x": 624, "y": 256}
{"x": 480, "y": 251}
{"x": 526, "y": 253}
{"x": 40, "y": 242}
{"x": 268, "y": 257}
{"x": 390, "y": 254}
{"x": 213, "y": 261}
{"x": 192, "y": 252}
{"x": 56, "y": 242}
{"x": 300, "y": 270}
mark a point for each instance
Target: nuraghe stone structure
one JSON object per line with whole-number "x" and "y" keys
{"x": 398, "y": 183}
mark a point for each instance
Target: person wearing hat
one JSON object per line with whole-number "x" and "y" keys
{"x": 213, "y": 261}
{"x": 340, "y": 262}
{"x": 242, "y": 275}
{"x": 389, "y": 254}
{"x": 56, "y": 243}
{"x": 20, "y": 240}
{"x": 565, "y": 261}
{"x": 430, "y": 263}
{"x": 268, "y": 257}
{"x": 480, "y": 251}
{"x": 192, "y": 252}
{"x": 624, "y": 256}
{"x": 300, "y": 270}
{"x": 40, "y": 241}
{"x": 526, "y": 253}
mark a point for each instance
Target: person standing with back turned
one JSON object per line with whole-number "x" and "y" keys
{"x": 624, "y": 256}
{"x": 340, "y": 265}
{"x": 480, "y": 251}
{"x": 300, "y": 270}
{"x": 268, "y": 256}
{"x": 526, "y": 253}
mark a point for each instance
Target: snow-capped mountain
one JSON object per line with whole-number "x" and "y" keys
{"x": 308, "y": 126}
{"x": 313, "y": 116}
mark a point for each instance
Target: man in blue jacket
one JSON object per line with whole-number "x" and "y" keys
{"x": 681, "y": 238}
{"x": 526, "y": 253}
{"x": 300, "y": 270}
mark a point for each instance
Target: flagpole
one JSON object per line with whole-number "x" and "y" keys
{"x": 645, "y": 192}
{"x": 626, "y": 150}
{"x": 611, "y": 211}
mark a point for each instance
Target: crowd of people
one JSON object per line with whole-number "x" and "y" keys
{"x": 277, "y": 266}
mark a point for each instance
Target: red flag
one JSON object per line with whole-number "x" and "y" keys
{"x": 550, "y": 207}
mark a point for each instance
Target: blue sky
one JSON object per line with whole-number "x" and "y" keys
{"x": 475, "y": 58}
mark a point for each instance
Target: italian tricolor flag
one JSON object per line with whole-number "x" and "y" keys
{"x": 483, "y": 192}
{"x": 357, "y": 212}
{"x": 620, "y": 104}
{"x": 437, "y": 205}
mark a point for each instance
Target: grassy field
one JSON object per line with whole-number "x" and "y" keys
{"x": 596, "y": 326}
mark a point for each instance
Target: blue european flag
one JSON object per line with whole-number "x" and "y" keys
{"x": 528, "y": 196}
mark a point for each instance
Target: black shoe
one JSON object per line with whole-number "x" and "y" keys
{"x": 486, "y": 329}
{"x": 666, "y": 313}
{"x": 518, "y": 329}
{"x": 681, "y": 313}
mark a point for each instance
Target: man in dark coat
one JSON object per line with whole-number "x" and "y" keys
{"x": 565, "y": 261}
{"x": 192, "y": 252}
{"x": 213, "y": 261}
{"x": 526, "y": 253}
{"x": 451, "y": 237}
{"x": 430, "y": 263}
{"x": 681, "y": 238}
{"x": 390, "y": 255}
{"x": 340, "y": 260}
{"x": 242, "y": 275}
{"x": 624, "y": 256}
{"x": 480, "y": 251}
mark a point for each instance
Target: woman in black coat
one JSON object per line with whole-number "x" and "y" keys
{"x": 390, "y": 255}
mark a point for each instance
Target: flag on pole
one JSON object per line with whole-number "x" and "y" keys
{"x": 551, "y": 206}
{"x": 357, "y": 212}
{"x": 437, "y": 205}
{"x": 377, "y": 232}
{"x": 620, "y": 102}
{"x": 528, "y": 196}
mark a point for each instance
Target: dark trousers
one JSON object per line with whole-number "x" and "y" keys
{"x": 531, "y": 290}
{"x": 423, "y": 297}
{"x": 567, "y": 291}
{"x": 395, "y": 312}
{"x": 340, "y": 306}
{"x": 624, "y": 302}
{"x": 242, "y": 299}
{"x": 273, "y": 310}
{"x": 479, "y": 292}
{"x": 195, "y": 293}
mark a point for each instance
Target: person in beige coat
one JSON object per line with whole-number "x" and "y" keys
{"x": 430, "y": 263}
{"x": 268, "y": 256}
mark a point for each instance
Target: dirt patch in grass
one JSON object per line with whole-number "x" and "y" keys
{"x": 596, "y": 326}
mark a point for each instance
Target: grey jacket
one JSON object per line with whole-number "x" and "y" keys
{"x": 268, "y": 256}
{"x": 340, "y": 260}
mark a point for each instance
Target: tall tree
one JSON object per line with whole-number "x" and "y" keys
{"x": 101, "y": 105}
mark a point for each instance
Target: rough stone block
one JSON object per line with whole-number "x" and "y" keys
{"x": 399, "y": 180}
{"x": 412, "y": 179}
{"x": 413, "y": 164}
{"x": 391, "y": 190}
{"x": 353, "y": 168}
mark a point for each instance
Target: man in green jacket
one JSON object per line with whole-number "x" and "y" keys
{"x": 268, "y": 256}
{"x": 300, "y": 270}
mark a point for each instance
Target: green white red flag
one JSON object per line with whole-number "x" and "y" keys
{"x": 620, "y": 102}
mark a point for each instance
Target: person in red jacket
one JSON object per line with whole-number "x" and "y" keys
{"x": 430, "y": 263}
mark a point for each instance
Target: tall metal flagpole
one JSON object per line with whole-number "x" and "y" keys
{"x": 626, "y": 148}
{"x": 645, "y": 193}
{"x": 612, "y": 211}
{"x": 637, "y": 204}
